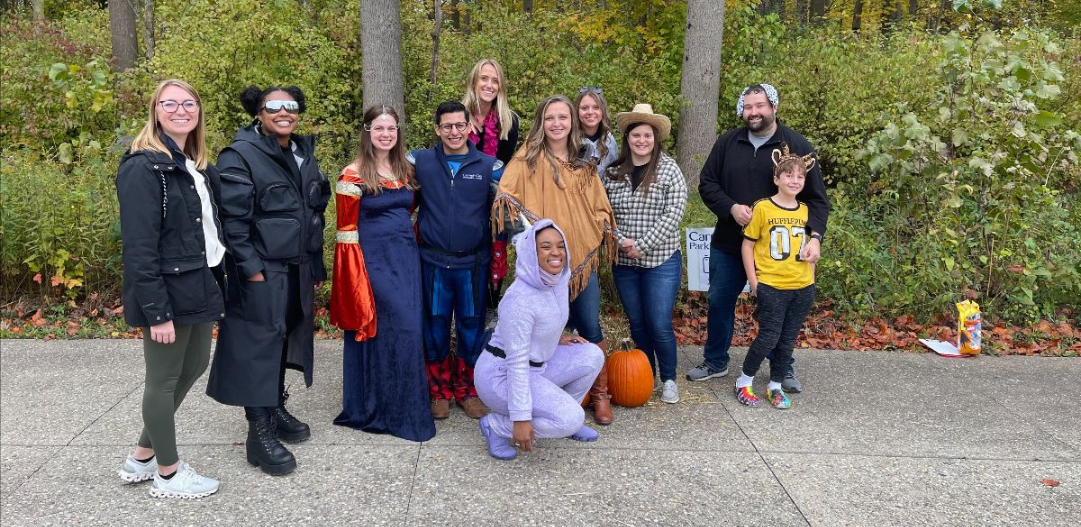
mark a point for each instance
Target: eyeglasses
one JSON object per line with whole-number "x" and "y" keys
{"x": 595, "y": 89}
{"x": 277, "y": 105}
{"x": 380, "y": 129}
{"x": 446, "y": 128}
{"x": 171, "y": 106}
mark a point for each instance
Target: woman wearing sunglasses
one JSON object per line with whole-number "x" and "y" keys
{"x": 273, "y": 199}
{"x": 598, "y": 143}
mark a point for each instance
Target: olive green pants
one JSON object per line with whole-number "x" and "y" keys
{"x": 171, "y": 370}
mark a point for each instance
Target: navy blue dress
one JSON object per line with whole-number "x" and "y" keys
{"x": 385, "y": 386}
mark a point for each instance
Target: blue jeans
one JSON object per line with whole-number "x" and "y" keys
{"x": 648, "y": 297}
{"x": 585, "y": 311}
{"x": 726, "y": 280}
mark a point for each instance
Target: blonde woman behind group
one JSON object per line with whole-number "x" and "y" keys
{"x": 167, "y": 194}
{"x": 493, "y": 129}
{"x": 546, "y": 179}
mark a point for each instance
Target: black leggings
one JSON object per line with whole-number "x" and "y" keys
{"x": 780, "y": 314}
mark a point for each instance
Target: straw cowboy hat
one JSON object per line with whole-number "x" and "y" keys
{"x": 643, "y": 113}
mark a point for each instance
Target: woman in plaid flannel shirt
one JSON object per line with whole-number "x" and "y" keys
{"x": 648, "y": 196}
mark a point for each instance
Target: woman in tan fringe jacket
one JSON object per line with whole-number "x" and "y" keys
{"x": 546, "y": 179}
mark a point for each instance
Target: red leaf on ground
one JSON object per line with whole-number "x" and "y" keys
{"x": 1016, "y": 268}
{"x": 1050, "y": 482}
{"x": 48, "y": 337}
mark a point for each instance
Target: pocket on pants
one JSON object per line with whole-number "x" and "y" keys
{"x": 257, "y": 300}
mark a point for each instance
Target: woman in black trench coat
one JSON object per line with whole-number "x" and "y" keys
{"x": 273, "y": 199}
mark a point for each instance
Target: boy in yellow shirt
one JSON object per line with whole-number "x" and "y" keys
{"x": 781, "y": 281}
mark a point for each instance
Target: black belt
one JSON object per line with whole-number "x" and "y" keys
{"x": 459, "y": 254}
{"x": 503, "y": 355}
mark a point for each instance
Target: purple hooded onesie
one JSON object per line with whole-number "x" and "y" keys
{"x": 532, "y": 316}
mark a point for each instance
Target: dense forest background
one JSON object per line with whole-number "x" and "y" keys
{"x": 947, "y": 129}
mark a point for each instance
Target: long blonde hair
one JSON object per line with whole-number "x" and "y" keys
{"x": 365, "y": 160}
{"x": 536, "y": 145}
{"x": 502, "y": 107}
{"x": 149, "y": 137}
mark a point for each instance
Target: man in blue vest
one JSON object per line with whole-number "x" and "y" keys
{"x": 455, "y": 241}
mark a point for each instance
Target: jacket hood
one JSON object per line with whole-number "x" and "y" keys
{"x": 527, "y": 267}
{"x": 269, "y": 144}
{"x": 150, "y": 155}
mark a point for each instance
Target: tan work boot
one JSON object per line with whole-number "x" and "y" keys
{"x": 440, "y": 408}
{"x": 473, "y": 407}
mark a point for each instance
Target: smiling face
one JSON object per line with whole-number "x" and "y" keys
{"x": 177, "y": 125}
{"x": 280, "y": 123}
{"x": 384, "y": 132}
{"x": 759, "y": 115}
{"x": 487, "y": 87}
{"x": 590, "y": 114}
{"x": 557, "y": 123}
{"x": 452, "y": 130}
{"x": 790, "y": 181}
{"x": 551, "y": 250}
{"x": 641, "y": 140}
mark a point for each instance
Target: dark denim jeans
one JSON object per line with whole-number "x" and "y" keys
{"x": 726, "y": 280}
{"x": 648, "y": 297}
{"x": 585, "y": 311}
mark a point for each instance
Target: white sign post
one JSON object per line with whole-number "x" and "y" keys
{"x": 698, "y": 259}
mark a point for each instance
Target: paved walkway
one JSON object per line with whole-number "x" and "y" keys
{"x": 877, "y": 439}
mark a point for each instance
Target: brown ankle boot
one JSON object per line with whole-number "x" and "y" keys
{"x": 600, "y": 400}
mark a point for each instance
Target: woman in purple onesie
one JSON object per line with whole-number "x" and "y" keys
{"x": 532, "y": 377}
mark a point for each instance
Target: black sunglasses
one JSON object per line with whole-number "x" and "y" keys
{"x": 277, "y": 105}
{"x": 594, "y": 89}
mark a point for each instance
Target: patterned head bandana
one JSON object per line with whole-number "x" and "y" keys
{"x": 771, "y": 94}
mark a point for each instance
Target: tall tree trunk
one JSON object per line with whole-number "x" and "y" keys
{"x": 818, "y": 10}
{"x": 39, "y": 9}
{"x": 527, "y": 7}
{"x": 913, "y": 7}
{"x": 381, "y": 49}
{"x": 857, "y": 15}
{"x": 436, "y": 32}
{"x": 801, "y": 12}
{"x": 700, "y": 86}
{"x": 148, "y": 28}
{"x": 455, "y": 15}
{"x": 122, "y": 22}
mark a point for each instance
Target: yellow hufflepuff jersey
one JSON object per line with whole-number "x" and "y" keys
{"x": 779, "y": 235}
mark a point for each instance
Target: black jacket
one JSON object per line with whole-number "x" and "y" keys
{"x": 506, "y": 147}
{"x": 736, "y": 173}
{"x": 166, "y": 276}
{"x": 273, "y": 217}
{"x": 273, "y": 211}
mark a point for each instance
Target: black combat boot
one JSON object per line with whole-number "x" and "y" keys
{"x": 263, "y": 448}
{"x": 289, "y": 428}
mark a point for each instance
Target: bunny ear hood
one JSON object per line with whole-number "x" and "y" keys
{"x": 526, "y": 267}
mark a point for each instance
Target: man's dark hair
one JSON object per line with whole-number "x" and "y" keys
{"x": 446, "y": 107}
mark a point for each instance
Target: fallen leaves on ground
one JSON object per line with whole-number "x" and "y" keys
{"x": 1050, "y": 482}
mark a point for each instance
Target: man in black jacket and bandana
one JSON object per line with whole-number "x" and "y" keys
{"x": 738, "y": 172}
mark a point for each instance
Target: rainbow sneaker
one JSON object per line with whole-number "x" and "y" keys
{"x": 778, "y": 399}
{"x": 746, "y": 396}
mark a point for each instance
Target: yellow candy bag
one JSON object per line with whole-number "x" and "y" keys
{"x": 968, "y": 328}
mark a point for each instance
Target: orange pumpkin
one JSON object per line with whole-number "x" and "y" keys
{"x": 630, "y": 379}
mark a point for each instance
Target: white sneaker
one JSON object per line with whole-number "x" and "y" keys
{"x": 184, "y": 484}
{"x": 670, "y": 392}
{"x": 135, "y": 471}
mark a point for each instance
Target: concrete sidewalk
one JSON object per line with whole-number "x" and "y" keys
{"x": 877, "y": 439}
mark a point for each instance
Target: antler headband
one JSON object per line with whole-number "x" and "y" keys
{"x": 781, "y": 154}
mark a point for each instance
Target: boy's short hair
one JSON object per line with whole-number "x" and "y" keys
{"x": 446, "y": 107}
{"x": 789, "y": 164}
